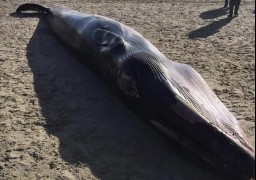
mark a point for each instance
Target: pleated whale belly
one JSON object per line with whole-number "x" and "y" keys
{"x": 178, "y": 100}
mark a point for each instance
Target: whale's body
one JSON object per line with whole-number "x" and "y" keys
{"x": 179, "y": 101}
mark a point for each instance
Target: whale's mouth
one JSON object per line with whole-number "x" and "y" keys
{"x": 211, "y": 146}
{"x": 181, "y": 138}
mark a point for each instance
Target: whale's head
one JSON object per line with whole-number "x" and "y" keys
{"x": 184, "y": 107}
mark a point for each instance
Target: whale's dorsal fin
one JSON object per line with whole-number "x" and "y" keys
{"x": 109, "y": 42}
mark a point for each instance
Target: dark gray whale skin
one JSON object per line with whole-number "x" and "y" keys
{"x": 177, "y": 99}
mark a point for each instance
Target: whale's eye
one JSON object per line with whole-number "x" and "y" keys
{"x": 127, "y": 84}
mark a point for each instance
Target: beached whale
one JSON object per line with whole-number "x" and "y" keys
{"x": 177, "y": 99}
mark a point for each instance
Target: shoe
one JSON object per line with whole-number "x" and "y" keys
{"x": 230, "y": 16}
{"x": 236, "y": 14}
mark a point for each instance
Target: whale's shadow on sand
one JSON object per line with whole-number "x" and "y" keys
{"x": 93, "y": 126}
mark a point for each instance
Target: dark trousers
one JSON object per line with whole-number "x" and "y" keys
{"x": 233, "y": 4}
{"x": 226, "y": 3}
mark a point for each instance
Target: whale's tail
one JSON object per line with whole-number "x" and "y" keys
{"x": 32, "y": 7}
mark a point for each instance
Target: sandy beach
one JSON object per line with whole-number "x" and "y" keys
{"x": 59, "y": 121}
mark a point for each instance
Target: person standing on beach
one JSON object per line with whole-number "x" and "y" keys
{"x": 233, "y": 4}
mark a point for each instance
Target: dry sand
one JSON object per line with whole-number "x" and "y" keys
{"x": 59, "y": 121}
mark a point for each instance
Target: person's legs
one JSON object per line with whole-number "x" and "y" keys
{"x": 231, "y": 8}
{"x": 226, "y": 4}
{"x": 237, "y": 4}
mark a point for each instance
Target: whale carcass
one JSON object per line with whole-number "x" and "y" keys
{"x": 177, "y": 99}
